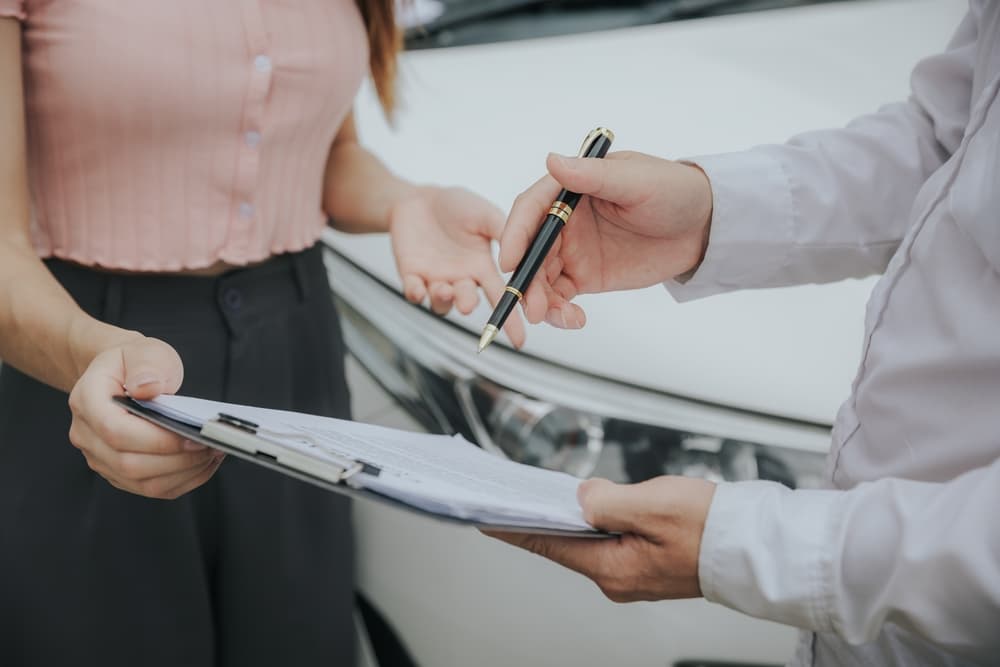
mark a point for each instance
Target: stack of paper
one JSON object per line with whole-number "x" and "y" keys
{"x": 444, "y": 475}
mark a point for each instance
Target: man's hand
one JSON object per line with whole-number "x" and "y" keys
{"x": 442, "y": 241}
{"x": 642, "y": 220}
{"x": 132, "y": 454}
{"x": 656, "y": 557}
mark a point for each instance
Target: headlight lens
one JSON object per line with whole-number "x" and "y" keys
{"x": 449, "y": 391}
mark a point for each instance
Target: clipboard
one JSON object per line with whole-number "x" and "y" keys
{"x": 245, "y": 440}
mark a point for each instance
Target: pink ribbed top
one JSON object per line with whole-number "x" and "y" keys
{"x": 166, "y": 135}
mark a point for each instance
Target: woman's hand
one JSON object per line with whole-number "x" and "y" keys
{"x": 132, "y": 454}
{"x": 642, "y": 220}
{"x": 441, "y": 239}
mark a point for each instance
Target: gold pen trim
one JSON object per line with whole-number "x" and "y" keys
{"x": 561, "y": 210}
{"x": 594, "y": 134}
{"x": 513, "y": 290}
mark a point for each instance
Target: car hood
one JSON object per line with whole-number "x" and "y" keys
{"x": 485, "y": 117}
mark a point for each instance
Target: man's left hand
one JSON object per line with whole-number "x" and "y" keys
{"x": 655, "y": 557}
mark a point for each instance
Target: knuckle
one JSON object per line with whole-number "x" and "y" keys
{"x": 92, "y": 464}
{"x": 75, "y": 435}
{"x": 612, "y": 589}
{"x": 130, "y": 466}
{"x": 111, "y": 432}
{"x": 74, "y": 400}
{"x": 151, "y": 488}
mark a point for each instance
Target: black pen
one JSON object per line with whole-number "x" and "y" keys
{"x": 595, "y": 145}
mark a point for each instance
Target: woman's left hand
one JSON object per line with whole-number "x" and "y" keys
{"x": 441, "y": 239}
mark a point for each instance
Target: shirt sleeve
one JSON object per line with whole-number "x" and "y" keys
{"x": 833, "y": 204}
{"x": 13, "y": 8}
{"x": 923, "y": 556}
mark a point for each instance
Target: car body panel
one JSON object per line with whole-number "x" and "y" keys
{"x": 485, "y": 117}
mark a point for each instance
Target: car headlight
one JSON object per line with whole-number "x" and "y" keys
{"x": 547, "y": 415}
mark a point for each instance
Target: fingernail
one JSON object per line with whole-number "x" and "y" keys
{"x": 563, "y": 161}
{"x": 141, "y": 380}
{"x": 192, "y": 446}
{"x": 219, "y": 456}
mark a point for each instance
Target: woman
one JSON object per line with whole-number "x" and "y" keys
{"x": 182, "y": 159}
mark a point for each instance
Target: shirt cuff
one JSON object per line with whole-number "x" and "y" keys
{"x": 770, "y": 552}
{"x": 752, "y": 224}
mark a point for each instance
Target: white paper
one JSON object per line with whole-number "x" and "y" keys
{"x": 443, "y": 474}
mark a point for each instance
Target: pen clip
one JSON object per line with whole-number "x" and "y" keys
{"x": 593, "y": 136}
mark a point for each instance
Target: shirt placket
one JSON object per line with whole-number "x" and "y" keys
{"x": 260, "y": 70}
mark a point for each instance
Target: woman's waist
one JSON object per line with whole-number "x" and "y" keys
{"x": 267, "y": 288}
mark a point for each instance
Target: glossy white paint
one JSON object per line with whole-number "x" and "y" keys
{"x": 484, "y": 117}
{"x": 458, "y": 598}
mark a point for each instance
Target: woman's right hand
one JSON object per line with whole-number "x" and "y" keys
{"x": 132, "y": 454}
{"x": 642, "y": 220}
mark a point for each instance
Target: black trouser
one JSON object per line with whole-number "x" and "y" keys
{"x": 253, "y": 568}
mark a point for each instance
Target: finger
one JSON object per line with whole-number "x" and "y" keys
{"x": 197, "y": 480}
{"x": 124, "y": 432}
{"x": 176, "y": 484}
{"x": 613, "y": 178}
{"x": 564, "y": 287}
{"x": 553, "y": 265}
{"x": 514, "y": 328}
{"x": 442, "y": 295}
{"x": 494, "y": 221}
{"x": 526, "y": 216}
{"x": 466, "y": 295}
{"x": 151, "y": 368}
{"x": 616, "y": 507}
{"x": 582, "y": 555}
{"x": 536, "y": 299}
{"x": 131, "y": 466}
{"x": 156, "y": 487}
{"x": 562, "y": 313}
{"x": 566, "y": 316}
{"x": 414, "y": 288}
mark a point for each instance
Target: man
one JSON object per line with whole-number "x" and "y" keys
{"x": 898, "y": 562}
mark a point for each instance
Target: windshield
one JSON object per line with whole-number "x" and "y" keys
{"x": 442, "y": 23}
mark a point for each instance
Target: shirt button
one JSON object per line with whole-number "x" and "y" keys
{"x": 233, "y": 298}
{"x": 252, "y": 139}
{"x": 246, "y": 210}
{"x": 262, "y": 63}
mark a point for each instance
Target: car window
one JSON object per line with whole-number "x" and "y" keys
{"x": 443, "y": 23}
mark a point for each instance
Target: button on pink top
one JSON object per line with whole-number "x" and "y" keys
{"x": 172, "y": 135}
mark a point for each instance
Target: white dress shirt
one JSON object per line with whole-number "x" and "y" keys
{"x": 898, "y": 563}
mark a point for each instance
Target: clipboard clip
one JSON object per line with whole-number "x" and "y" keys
{"x": 253, "y": 439}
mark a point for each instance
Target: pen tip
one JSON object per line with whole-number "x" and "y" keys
{"x": 489, "y": 333}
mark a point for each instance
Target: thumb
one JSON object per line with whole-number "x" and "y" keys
{"x": 612, "y": 507}
{"x": 151, "y": 368}
{"x": 611, "y": 178}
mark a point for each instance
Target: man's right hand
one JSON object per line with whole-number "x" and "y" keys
{"x": 132, "y": 454}
{"x": 642, "y": 220}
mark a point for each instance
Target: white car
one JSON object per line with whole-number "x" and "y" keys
{"x": 739, "y": 386}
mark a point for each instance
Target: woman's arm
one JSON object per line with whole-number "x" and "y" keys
{"x": 46, "y": 335}
{"x": 359, "y": 192}
{"x": 42, "y": 330}
{"x": 441, "y": 237}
